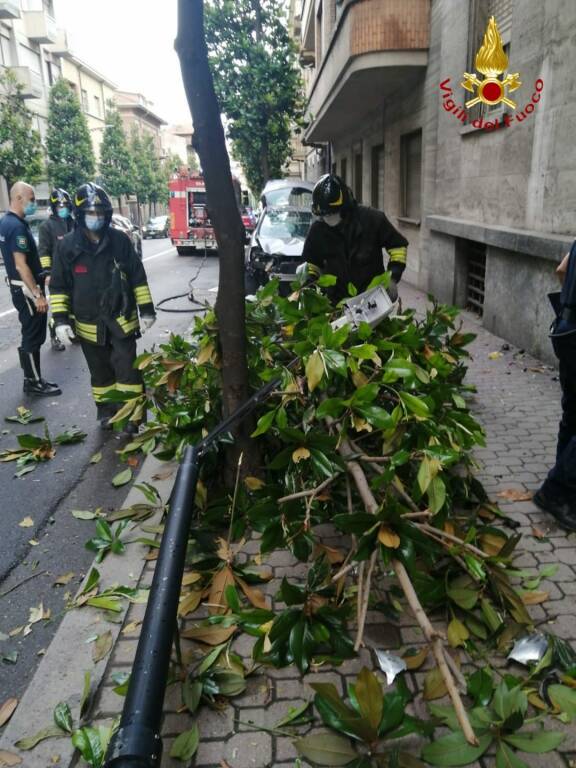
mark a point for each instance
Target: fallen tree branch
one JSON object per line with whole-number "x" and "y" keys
{"x": 449, "y": 537}
{"x": 364, "y": 599}
{"x": 309, "y": 491}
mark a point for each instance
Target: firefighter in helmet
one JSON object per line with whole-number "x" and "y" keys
{"x": 50, "y": 234}
{"x": 347, "y": 240}
{"x": 98, "y": 277}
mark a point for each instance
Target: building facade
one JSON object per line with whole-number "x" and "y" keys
{"x": 484, "y": 194}
{"x": 137, "y": 114}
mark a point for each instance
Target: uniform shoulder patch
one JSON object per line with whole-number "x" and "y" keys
{"x": 22, "y": 242}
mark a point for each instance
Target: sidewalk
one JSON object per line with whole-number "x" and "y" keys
{"x": 517, "y": 401}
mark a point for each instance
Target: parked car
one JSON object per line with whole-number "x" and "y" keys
{"x": 249, "y": 221}
{"x": 280, "y": 192}
{"x": 35, "y": 221}
{"x": 125, "y": 225}
{"x": 156, "y": 226}
{"x": 275, "y": 249}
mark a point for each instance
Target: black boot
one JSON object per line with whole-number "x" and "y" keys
{"x": 55, "y": 342}
{"x": 104, "y": 413}
{"x": 54, "y": 389}
{"x": 33, "y": 383}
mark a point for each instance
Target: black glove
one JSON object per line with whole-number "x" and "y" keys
{"x": 392, "y": 290}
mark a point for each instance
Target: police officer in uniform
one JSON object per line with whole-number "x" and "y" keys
{"x": 348, "y": 239}
{"x": 25, "y": 277}
{"x": 97, "y": 276}
{"x": 51, "y": 232}
{"x": 558, "y": 492}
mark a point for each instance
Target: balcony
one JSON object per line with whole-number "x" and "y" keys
{"x": 40, "y": 27}
{"x": 9, "y": 9}
{"x": 376, "y": 50}
{"x": 61, "y": 46}
{"x": 30, "y": 81}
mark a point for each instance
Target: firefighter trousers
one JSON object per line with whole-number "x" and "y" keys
{"x": 112, "y": 369}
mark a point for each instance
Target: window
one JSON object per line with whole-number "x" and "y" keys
{"x": 97, "y": 106}
{"x": 358, "y": 176}
{"x": 84, "y": 100}
{"x": 6, "y": 51}
{"x": 31, "y": 59}
{"x": 377, "y": 177}
{"x": 411, "y": 174}
{"x": 344, "y": 169}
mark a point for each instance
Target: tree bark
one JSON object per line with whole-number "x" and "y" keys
{"x": 210, "y": 145}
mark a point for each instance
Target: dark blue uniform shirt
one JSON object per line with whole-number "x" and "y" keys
{"x": 568, "y": 295}
{"x": 15, "y": 235}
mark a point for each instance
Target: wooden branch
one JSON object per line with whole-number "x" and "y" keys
{"x": 437, "y": 646}
{"x": 425, "y": 528}
{"x": 364, "y": 599}
{"x": 309, "y": 491}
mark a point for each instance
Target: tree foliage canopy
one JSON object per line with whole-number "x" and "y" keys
{"x": 116, "y": 164}
{"x": 20, "y": 147}
{"x": 259, "y": 88}
{"x": 68, "y": 142}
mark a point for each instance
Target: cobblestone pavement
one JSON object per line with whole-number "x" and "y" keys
{"x": 517, "y": 401}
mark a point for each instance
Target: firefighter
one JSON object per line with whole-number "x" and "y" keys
{"x": 348, "y": 239}
{"x": 98, "y": 277}
{"x": 557, "y": 496}
{"x": 24, "y": 276}
{"x": 50, "y": 234}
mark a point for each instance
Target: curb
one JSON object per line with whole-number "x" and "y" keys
{"x": 60, "y": 675}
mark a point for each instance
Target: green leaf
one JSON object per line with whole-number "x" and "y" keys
{"x": 63, "y": 717}
{"x": 505, "y": 758}
{"x": 464, "y": 598}
{"x": 415, "y": 405}
{"x": 425, "y": 474}
{"x": 457, "y": 633}
{"x": 264, "y": 423}
{"x": 336, "y": 361}
{"x": 314, "y": 370}
{"x": 191, "y": 694}
{"x": 536, "y": 743}
{"x": 509, "y": 701}
{"x": 378, "y": 417}
{"x": 332, "y": 406}
{"x": 29, "y": 742}
{"x": 564, "y": 698}
{"x": 185, "y": 746}
{"x": 293, "y": 714}
{"x": 97, "y": 458}
{"x": 453, "y": 749}
{"x": 84, "y": 514}
{"x": 369, "y": 696}
{"x": 88, "y": 742}
{"x": 480, "y": 687}
{"x": 122, "y": 478}
{"x": 326, "y": 281}
{"x": 436, "y": 494}
{"x": 326, "y": 749}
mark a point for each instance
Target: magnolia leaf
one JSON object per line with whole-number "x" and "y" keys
{"x": 189, "y": 602}
{"x": 536, "y": 743}
{"x": 300, "y": 454}
{"x": 216, "y": 598}
{"x": 457, "y": 633}
{"x": 453, "y": 749}
{"x": 415, "y": 405}
{"x": 388, "y": 538}
{"x": 415, "y": 660}
{"x": 369, "y": 697}
{"x": 535, "y": 597}
{"x": 9, "y": 759}
{"x": 436, "y": 494}
{"x": 88, "y": 742}
{"x": 464, "y": 598}
{"x": 185, "y": 746}
{"x": 513, "y": 494}
{"x": 254, "y": 595}
{"x": 7, "y": 709}
{"x": 29, "y": 742}
{"x": 211, "y": 635}
{"x": 506, "y": 758}
{"x": 63, "y": 717}
{"x": 434, "y": 686}
{"x": 314, "y": 370}
{"x": 564, "y": 698}
{"x": 122, "y": 478}
{"x": 326, "y": 749}
{"x": 102, "y": 646}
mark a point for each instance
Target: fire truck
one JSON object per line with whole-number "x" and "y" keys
{"x": 190, "y": 225}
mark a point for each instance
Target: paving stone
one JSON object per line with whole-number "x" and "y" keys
{"x": 267, "y": 717}
{"x": 243, "y": 750}
{"x": 124, "y": 652}
{"x": 259, "y": 692}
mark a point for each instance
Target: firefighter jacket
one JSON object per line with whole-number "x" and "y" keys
{"x": 352, "y": 251}
{"x": 101, "y": 284}
{"x": 50, "y": 235}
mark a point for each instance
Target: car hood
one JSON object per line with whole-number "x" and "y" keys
{"x": 285, "y": 246}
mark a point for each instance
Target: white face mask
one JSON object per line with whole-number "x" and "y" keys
{"x": 333, "y": 219}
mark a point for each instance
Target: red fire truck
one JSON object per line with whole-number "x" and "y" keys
{"x": 190, "y": 225}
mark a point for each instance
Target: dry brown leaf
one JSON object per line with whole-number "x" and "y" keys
{"x": 388, "y": 538}
{"x": 537, "y": 702}
{"x": 253, "y": 483}
{"x": 491, "y": 543}
{"x": 535, "y": 598}
{"x": 133, "y": 626}
{"x": 495, "y": 355}
{"x": 163, "y": 475}
{"x": 538, "y": 533}
{"x": 64, "y": 579}
{"x": 254, "y": 595}
{"x": 55, "y": 759}
{"x": 9, "y": 759}
{"x": 434, "y": 685}
{"x": 191, "y": 578}
{"x": 7, "y": 710}
{"x": 102, "y": 646}
{"x": 33, "y": 542}
{"x": 27, "y": 522}
{"x": 190, "y": 602}
{"x": 416, "y": 660}
{"x": 300, "y": 454}
{"x": 216, "y": 597}
{"x": 210, "y": 635}
{"x": 513, "y": 494}
{"x": 224, "y": 552}
{"x": 333, "y": 555}
{"x": 15, "y": 631}
{"x": 38, "y": 614}
{"x": 132, "y": 461}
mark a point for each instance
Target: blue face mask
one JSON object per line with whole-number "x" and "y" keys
{"x": 94, "y": 223}
{"x": 31, "y": 208}
{"x": 64, "y": 213}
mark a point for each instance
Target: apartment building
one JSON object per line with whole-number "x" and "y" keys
{"x": 485, "y": 194}
{"x": 137, "y": 113}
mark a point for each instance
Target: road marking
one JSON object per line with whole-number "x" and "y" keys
{"x": 156, "y": 255}
{"x": 148, "y": 258}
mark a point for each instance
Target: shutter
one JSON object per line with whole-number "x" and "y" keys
{"x": 502, "y": 11}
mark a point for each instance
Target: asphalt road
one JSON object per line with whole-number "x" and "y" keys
{"x": 54, "y": 544}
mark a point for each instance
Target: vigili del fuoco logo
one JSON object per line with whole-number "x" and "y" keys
{"x": 491, "y": 61}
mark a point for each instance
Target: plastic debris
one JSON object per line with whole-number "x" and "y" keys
{"x": 390, "y": 664}
{"x": 529, "y": 649}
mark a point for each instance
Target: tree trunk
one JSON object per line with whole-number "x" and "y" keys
{"x": 210, "y": 145}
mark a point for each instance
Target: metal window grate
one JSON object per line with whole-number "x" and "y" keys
{"x": 476, "y": 277}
